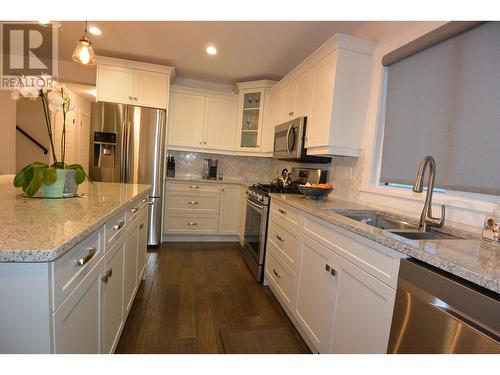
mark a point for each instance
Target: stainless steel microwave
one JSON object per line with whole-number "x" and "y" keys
{"x": 289, "y": 139}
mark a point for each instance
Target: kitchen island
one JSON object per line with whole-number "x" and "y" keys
{"x": 70, "y": 268}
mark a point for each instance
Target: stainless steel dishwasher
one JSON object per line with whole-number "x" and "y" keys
{"x": 436, "y": 312}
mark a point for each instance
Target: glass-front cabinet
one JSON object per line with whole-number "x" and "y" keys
{"x": 250, "y": 119}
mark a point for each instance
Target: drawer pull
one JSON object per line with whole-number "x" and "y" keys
{"x": 276, "y": 273}
{"x": 88, "y": 257}
{"x": 107, "y": 275}
{"x": 282, "y": 211}
{"x": 144, "y": 200}
{"x": 190, "y": 223}
{"x": 193, "y": 202}
{"x": 135, "y": 209}
{"x": 194, "y": 187}
{"x": 279, "y": 238}
{"x": 141, "y": 226}
{"x": 119, "y": 226}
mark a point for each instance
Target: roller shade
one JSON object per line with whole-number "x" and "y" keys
{"x": 444, "y": 101}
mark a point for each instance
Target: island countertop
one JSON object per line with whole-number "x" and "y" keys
{"x": 42, "y": 230}
{"x": 472, "y": 258}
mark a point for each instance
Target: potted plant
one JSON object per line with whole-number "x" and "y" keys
{"x": 58, "y": 179}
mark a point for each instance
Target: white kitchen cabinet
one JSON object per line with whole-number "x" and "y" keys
{"x": 132, "y": 82}
{"x": 142, "y": 248}
{"x": 77, "y": 322}
{"x": 112, "y": 295}
{"x": 316, "y": 293}
{"x": 187, "y": 118}
{"x": 150, "y": 89}
{"x": 220, "y": 119}
{"x": 302, "y": 102}
{"x": 130, "y": 269}
{"x": 250, "y": 117}
{"x": 229, "y": 210}
{"x": 363, "y": 311}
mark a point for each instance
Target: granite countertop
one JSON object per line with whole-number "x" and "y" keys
{"x": 472, "y": 258}
{"x": 42, "y": 230}
{"x": 202, "y": 180}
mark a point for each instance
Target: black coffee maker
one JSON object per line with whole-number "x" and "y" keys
{"x": 210, "y": 169}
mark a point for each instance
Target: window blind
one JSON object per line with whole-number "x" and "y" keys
{"x": 444, "y": 101}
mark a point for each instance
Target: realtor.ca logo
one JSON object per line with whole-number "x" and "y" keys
{"x": 29, "y": 55}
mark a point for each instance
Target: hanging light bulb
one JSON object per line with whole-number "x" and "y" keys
{"x": 84, "y": 52}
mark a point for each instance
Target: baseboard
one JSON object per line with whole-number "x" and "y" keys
{"x": 200, "y": 238}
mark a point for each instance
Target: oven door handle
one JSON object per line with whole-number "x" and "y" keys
{"x": 259, "y": 207}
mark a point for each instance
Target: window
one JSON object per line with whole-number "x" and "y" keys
{"x": 444, "y": 101}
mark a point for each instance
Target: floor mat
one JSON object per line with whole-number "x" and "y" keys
{"x": 275, "y": 339}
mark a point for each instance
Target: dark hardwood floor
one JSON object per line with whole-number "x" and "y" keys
{"x": 191, "y": 291}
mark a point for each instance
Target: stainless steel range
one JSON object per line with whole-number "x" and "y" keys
{"x": 257, "y": 213}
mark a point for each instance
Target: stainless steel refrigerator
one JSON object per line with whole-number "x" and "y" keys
{"x": 127, "y": 145}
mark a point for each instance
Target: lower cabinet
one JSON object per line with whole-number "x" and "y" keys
{"x": 317, "y": 285}
{"x": 336, "y": 295}
{"x": 77, "y": 322}
{"x": 130, "y": 269}
{"x": 229, "y": 210}
{"x": 112, "y": 296}
{"x": 142, "y": 246}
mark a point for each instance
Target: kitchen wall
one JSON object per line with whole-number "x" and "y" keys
{"x": 8, "y": 131}
{"x": 249, "y": 170}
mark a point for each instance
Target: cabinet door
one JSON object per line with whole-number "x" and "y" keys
{"x": 302, "y": 104}
{"x": 77, "y": 322}
{"x": 316, "y": 293}
{"x": 276, "y": 107}
{"x": 142, "y": 246}
{"x": 151, "y": 89}
{"x": 112, "y": 279}
{"x": 115, "y": 84}
{"x": 250, "y": 115}
{"x": 229, "y": 210}
{"x": 186, "y": 120}
{"x": 288, "y": 106}
{"x": 363, "y": 311}
{"x": 319, "y": 122}
{"x": 130, "y": 283}
{"x": 220, "y": 123}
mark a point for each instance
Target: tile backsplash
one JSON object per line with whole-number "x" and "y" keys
{"x": 343, "y": 172}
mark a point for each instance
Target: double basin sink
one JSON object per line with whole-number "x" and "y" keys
{"x": 398, "y": 227}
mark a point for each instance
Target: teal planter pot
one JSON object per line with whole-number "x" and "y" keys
{"x": 70, "y": 187}
{"x": 57, "y": 188}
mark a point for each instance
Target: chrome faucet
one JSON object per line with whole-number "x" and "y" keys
{"x": 426, "y": 219}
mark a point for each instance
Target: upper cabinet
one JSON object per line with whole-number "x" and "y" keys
{"x": 330, "y": 88}
{"x": 131, "y": 82}
{"x": 202, "y": 120}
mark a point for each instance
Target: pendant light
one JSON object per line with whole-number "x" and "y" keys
{"x": 84, "y": 52}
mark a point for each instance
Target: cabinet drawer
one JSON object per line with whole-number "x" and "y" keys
{"x": 193, "y": 186}
{"x": 133, "y": 209}
{"x": 286, "y": 213}
{"x": 378, "y": 260}
{"x": 284, "y": 240}
{"x": 279, "y": 275}
{"x": 114, "y": 228}
{"x": 69, "y": 270}
{"x": 193, "y": 202}
{"x": 192, "y": 223}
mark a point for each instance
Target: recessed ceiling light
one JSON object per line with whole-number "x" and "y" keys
{"x": 95, "y": 30}
{"x": 211, "y": 50}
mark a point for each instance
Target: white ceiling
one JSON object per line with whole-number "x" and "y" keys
{"x": 247, "y": 50}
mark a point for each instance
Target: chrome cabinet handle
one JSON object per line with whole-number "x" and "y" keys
{"x": 279, "y": 238}
{"x": 119, "y": 226}
{"x": 135, "y": 209}
{"x": 194, "y": 187}
{"x": 151, "y": 203}
{"x": 88, "y": 257}
{"x": 193, "y": 202}
{"x": 141, "y": 226}
{"x": 144, "y": 200}
{"x": 277, "y": 274}
{"x": 131, "y": 97}
{"x": 191, "y": 223}
{"x": 282, "y": 211}
{"x": 107, "y": 275}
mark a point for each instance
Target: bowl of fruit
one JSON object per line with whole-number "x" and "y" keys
{"x": 315, "y": 191}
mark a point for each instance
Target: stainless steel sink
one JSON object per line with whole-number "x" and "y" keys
{"x": 418, "y": 235}
{"x": 381, "y": 221}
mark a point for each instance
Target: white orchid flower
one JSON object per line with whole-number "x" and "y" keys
{"x": 31, "y": 93}
{"x": 56, "y": 101}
